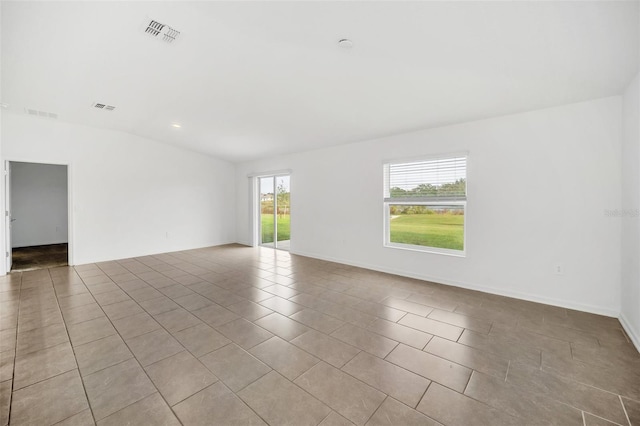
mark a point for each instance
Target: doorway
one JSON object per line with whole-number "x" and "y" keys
{"x": 37, "y": 216}
{"x": 274, "y": 194}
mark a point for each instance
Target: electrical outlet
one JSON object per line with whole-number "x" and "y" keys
{"x": 558, "y": 268}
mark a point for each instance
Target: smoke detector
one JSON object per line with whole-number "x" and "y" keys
{"x": 161, "y": 31}
{"x": 104, "y": 107}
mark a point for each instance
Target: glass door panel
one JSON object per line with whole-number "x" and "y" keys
{"x": 283, "y": 212}
{"x": 267, "y": 211}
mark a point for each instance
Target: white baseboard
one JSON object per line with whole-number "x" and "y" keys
{"x": 485, "y": 289}
{"x": 633, "y": 334}
{"x": 148, "y": 253}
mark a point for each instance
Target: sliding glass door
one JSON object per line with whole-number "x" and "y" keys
{"x": 275, "y": 211}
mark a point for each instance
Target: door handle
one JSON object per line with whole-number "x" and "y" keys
{"x": 13, "y": 220}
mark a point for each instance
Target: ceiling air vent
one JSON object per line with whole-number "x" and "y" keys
{"x": 161, "y": 31}
{"x": 104, "y": 106}
{"x": 41, "y": 114}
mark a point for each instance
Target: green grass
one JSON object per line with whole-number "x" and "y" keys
{"x": 431, "y": 230}
{"x": 284, "y": 228}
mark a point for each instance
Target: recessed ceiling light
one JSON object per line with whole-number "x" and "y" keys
{"x": 345, "y": 43}
{"x": 176, "y": 125}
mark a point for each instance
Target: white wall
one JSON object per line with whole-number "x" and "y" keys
{"x": 538, "y": 185}
{"x": 131, "y": 196}
{"x": 630, "y": 310}
{"x": 38, "y": 204}
{"x": 3, "y": 264}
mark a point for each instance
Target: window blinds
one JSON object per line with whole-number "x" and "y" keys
{"x": 434, "y": 180}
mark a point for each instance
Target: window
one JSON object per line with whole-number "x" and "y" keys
{"x": 425, "y": 204}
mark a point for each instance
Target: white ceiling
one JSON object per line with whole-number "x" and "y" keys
{"x": 252, "y": 79}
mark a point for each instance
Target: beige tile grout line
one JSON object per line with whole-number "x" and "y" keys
{"x": 360, "y": 350}
{"x": 247, "y": 350}
{"x": 473, "y": 370}
{"x": 170, "y": 298}
{"x": 625, "y": 410}
{"x": 230, "y": 342}
{"x": 129, "y": 348}
{"x": 595, "y": 415}
{"x": 185, "y": 349}
{"x": 56, "y": 375}
{"x": 383, "y": 401}
{"x": 55, "y": 292}
{"x": 15, "y": 352}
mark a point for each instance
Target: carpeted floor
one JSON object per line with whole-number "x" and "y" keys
{"x": 39, "y": 257}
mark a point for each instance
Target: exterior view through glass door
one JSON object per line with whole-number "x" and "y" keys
{"x": 275, "y": 211}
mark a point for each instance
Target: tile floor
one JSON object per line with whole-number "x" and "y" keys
{"x": 237, "y": 335}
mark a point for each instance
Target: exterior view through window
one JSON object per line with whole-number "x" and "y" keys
{"x": 425, "y": 203}
{"x": 275, "y": 211}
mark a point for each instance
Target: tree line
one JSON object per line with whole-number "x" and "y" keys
{"x": 459, "y": 187}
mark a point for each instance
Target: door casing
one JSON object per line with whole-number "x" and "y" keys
{"x": 6, "y": 202}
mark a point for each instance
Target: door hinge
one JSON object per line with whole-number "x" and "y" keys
{"x": 6, "y": 213}
{"x": 7, "y": 254}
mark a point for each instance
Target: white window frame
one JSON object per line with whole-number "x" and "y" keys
{"x": 427, "y": 202}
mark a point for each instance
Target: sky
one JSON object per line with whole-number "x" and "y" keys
{"x": 266, "y": 183}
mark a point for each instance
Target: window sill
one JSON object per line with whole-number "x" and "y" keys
{"x": 425, "y": 249}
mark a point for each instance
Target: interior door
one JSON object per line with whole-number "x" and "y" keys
{"x": 7, "y": 213}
